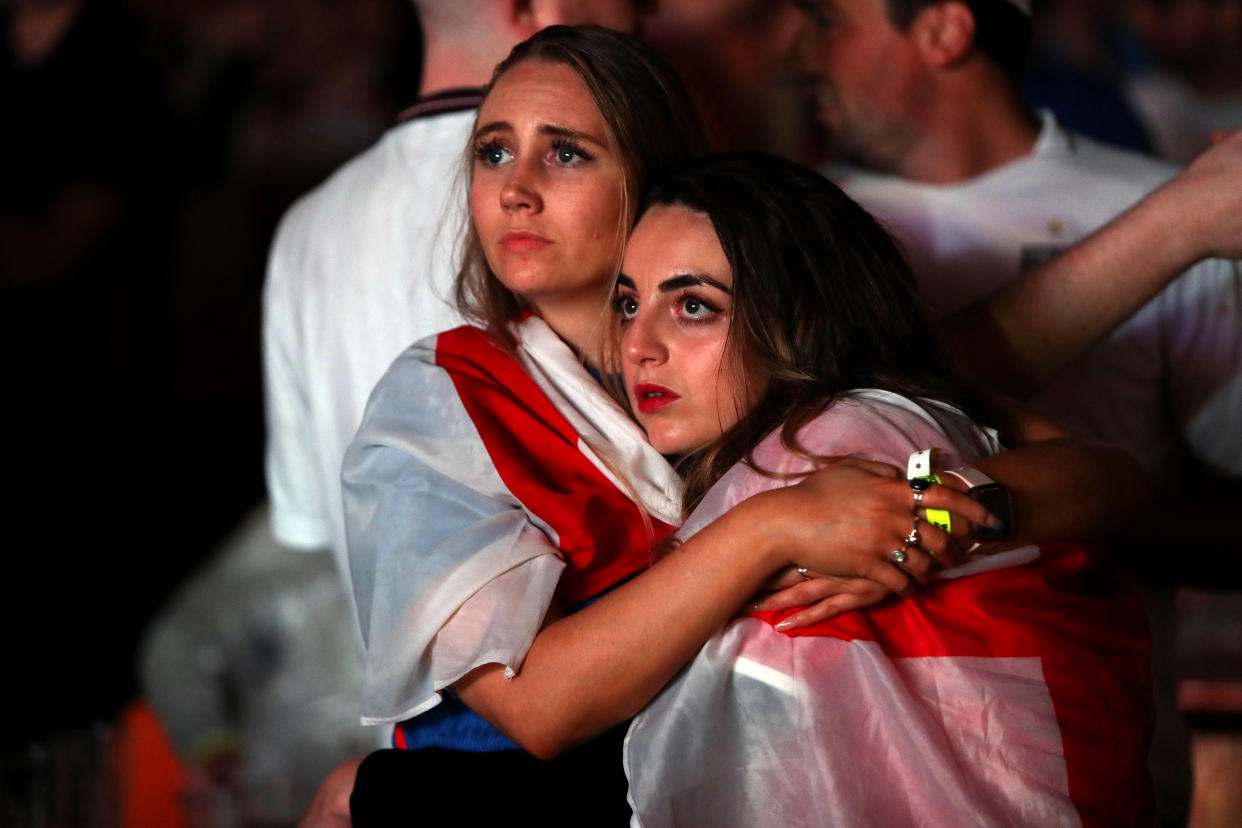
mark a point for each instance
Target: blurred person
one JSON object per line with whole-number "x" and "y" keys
{"x": 1074, "y": 70}
{"x": 363, "y": 265}
{"x": 254, "y": 671}
{"x": 734, "y": 55}
{"x": 1188, "y": 79}
{"x": 980, "y": 190}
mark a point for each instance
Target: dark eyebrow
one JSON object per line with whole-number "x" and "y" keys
{"x": 686, "y": 280}
{"x": 626, "y": 281}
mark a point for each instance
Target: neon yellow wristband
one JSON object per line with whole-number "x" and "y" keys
{"x": 919, "y": 466}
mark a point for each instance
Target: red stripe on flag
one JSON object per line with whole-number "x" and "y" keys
{"x": 1088, "y": 630}
{"x": 535, "y": 450}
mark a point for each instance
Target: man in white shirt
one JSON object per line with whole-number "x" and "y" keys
{"x": 978, "y": 190}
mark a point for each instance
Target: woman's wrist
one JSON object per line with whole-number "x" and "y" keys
{"x": 754, "y": 528}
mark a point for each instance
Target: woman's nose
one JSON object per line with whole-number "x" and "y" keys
{"x": 641, "y": 342}
{"x": 520, "y": 190}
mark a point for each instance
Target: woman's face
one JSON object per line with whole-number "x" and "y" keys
{"x": 674, "y": 304}
{"x": 546, "y": 192}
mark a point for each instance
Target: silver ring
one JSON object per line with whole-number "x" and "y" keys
{"x": 802, "y": 572}
{"x": 899, "y": 556}
{"x": 914, "y": 537}
{"x": 918, "y": 500}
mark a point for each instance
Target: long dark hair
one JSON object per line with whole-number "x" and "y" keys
{"x": 652, "y": 124}
{"x": 823, "y": 301}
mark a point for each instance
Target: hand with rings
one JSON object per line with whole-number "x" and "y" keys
{"x": 919, "y": 485}
{"x": 875, "y": 550}
{"x": 913, "y": 538}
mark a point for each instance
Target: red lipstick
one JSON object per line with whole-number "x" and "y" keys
{"x": 650, "y": 398}
{"x": 523, "y": 241}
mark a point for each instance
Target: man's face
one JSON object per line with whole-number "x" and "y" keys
{"x": 865, "y": 77}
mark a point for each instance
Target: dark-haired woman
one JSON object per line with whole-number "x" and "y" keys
{"x": 768, "y": 324}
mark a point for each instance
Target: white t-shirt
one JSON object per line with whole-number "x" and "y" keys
{"x": 1172, "y": 372}
{"x": 360, "y": 267}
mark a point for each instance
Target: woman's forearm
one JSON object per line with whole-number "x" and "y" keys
{"x": 590, "y": 670}
{"x": 599, "y": 666}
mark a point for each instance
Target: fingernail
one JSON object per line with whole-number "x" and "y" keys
{"x": 994, "y": 521}
{"x": 784, "y": 625}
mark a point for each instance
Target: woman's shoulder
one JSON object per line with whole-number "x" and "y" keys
{"x": 431, "y": 378}
{"x": 466, "y": 351}
{"x": 878, "y": 425}
{"x": 452, "y": 349}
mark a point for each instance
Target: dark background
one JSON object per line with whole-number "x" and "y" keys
{"x": 147, "y": 157}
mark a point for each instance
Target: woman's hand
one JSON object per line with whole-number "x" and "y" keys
{"x": 848, "y": 520}
{"x": 823, "y": 597}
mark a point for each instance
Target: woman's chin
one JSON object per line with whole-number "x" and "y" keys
{"x": 674, "y": 446}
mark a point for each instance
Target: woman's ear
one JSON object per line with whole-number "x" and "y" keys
{"x": 944, "y": 33}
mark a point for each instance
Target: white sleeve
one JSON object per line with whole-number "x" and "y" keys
{"x": 449, "y": 572}
{"x": 300, "y": 518}
{"x": 1202, "y": 317}
{"x": 868, "y": 424}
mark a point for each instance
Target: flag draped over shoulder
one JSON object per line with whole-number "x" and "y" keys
{"x": 481, "y": 484}
{"x": 1018, "y": 696}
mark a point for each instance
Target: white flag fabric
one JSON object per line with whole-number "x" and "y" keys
{"x": 1018, "y": 696}
{"x": 472, "y": 497}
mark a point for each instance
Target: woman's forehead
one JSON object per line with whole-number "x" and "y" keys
{"x": 543, "y": 92}
{"x": 672, "y": 239}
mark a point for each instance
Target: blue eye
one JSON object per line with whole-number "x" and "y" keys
{"x": 492, "y": 155}
{"x": 569, "y": 153}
